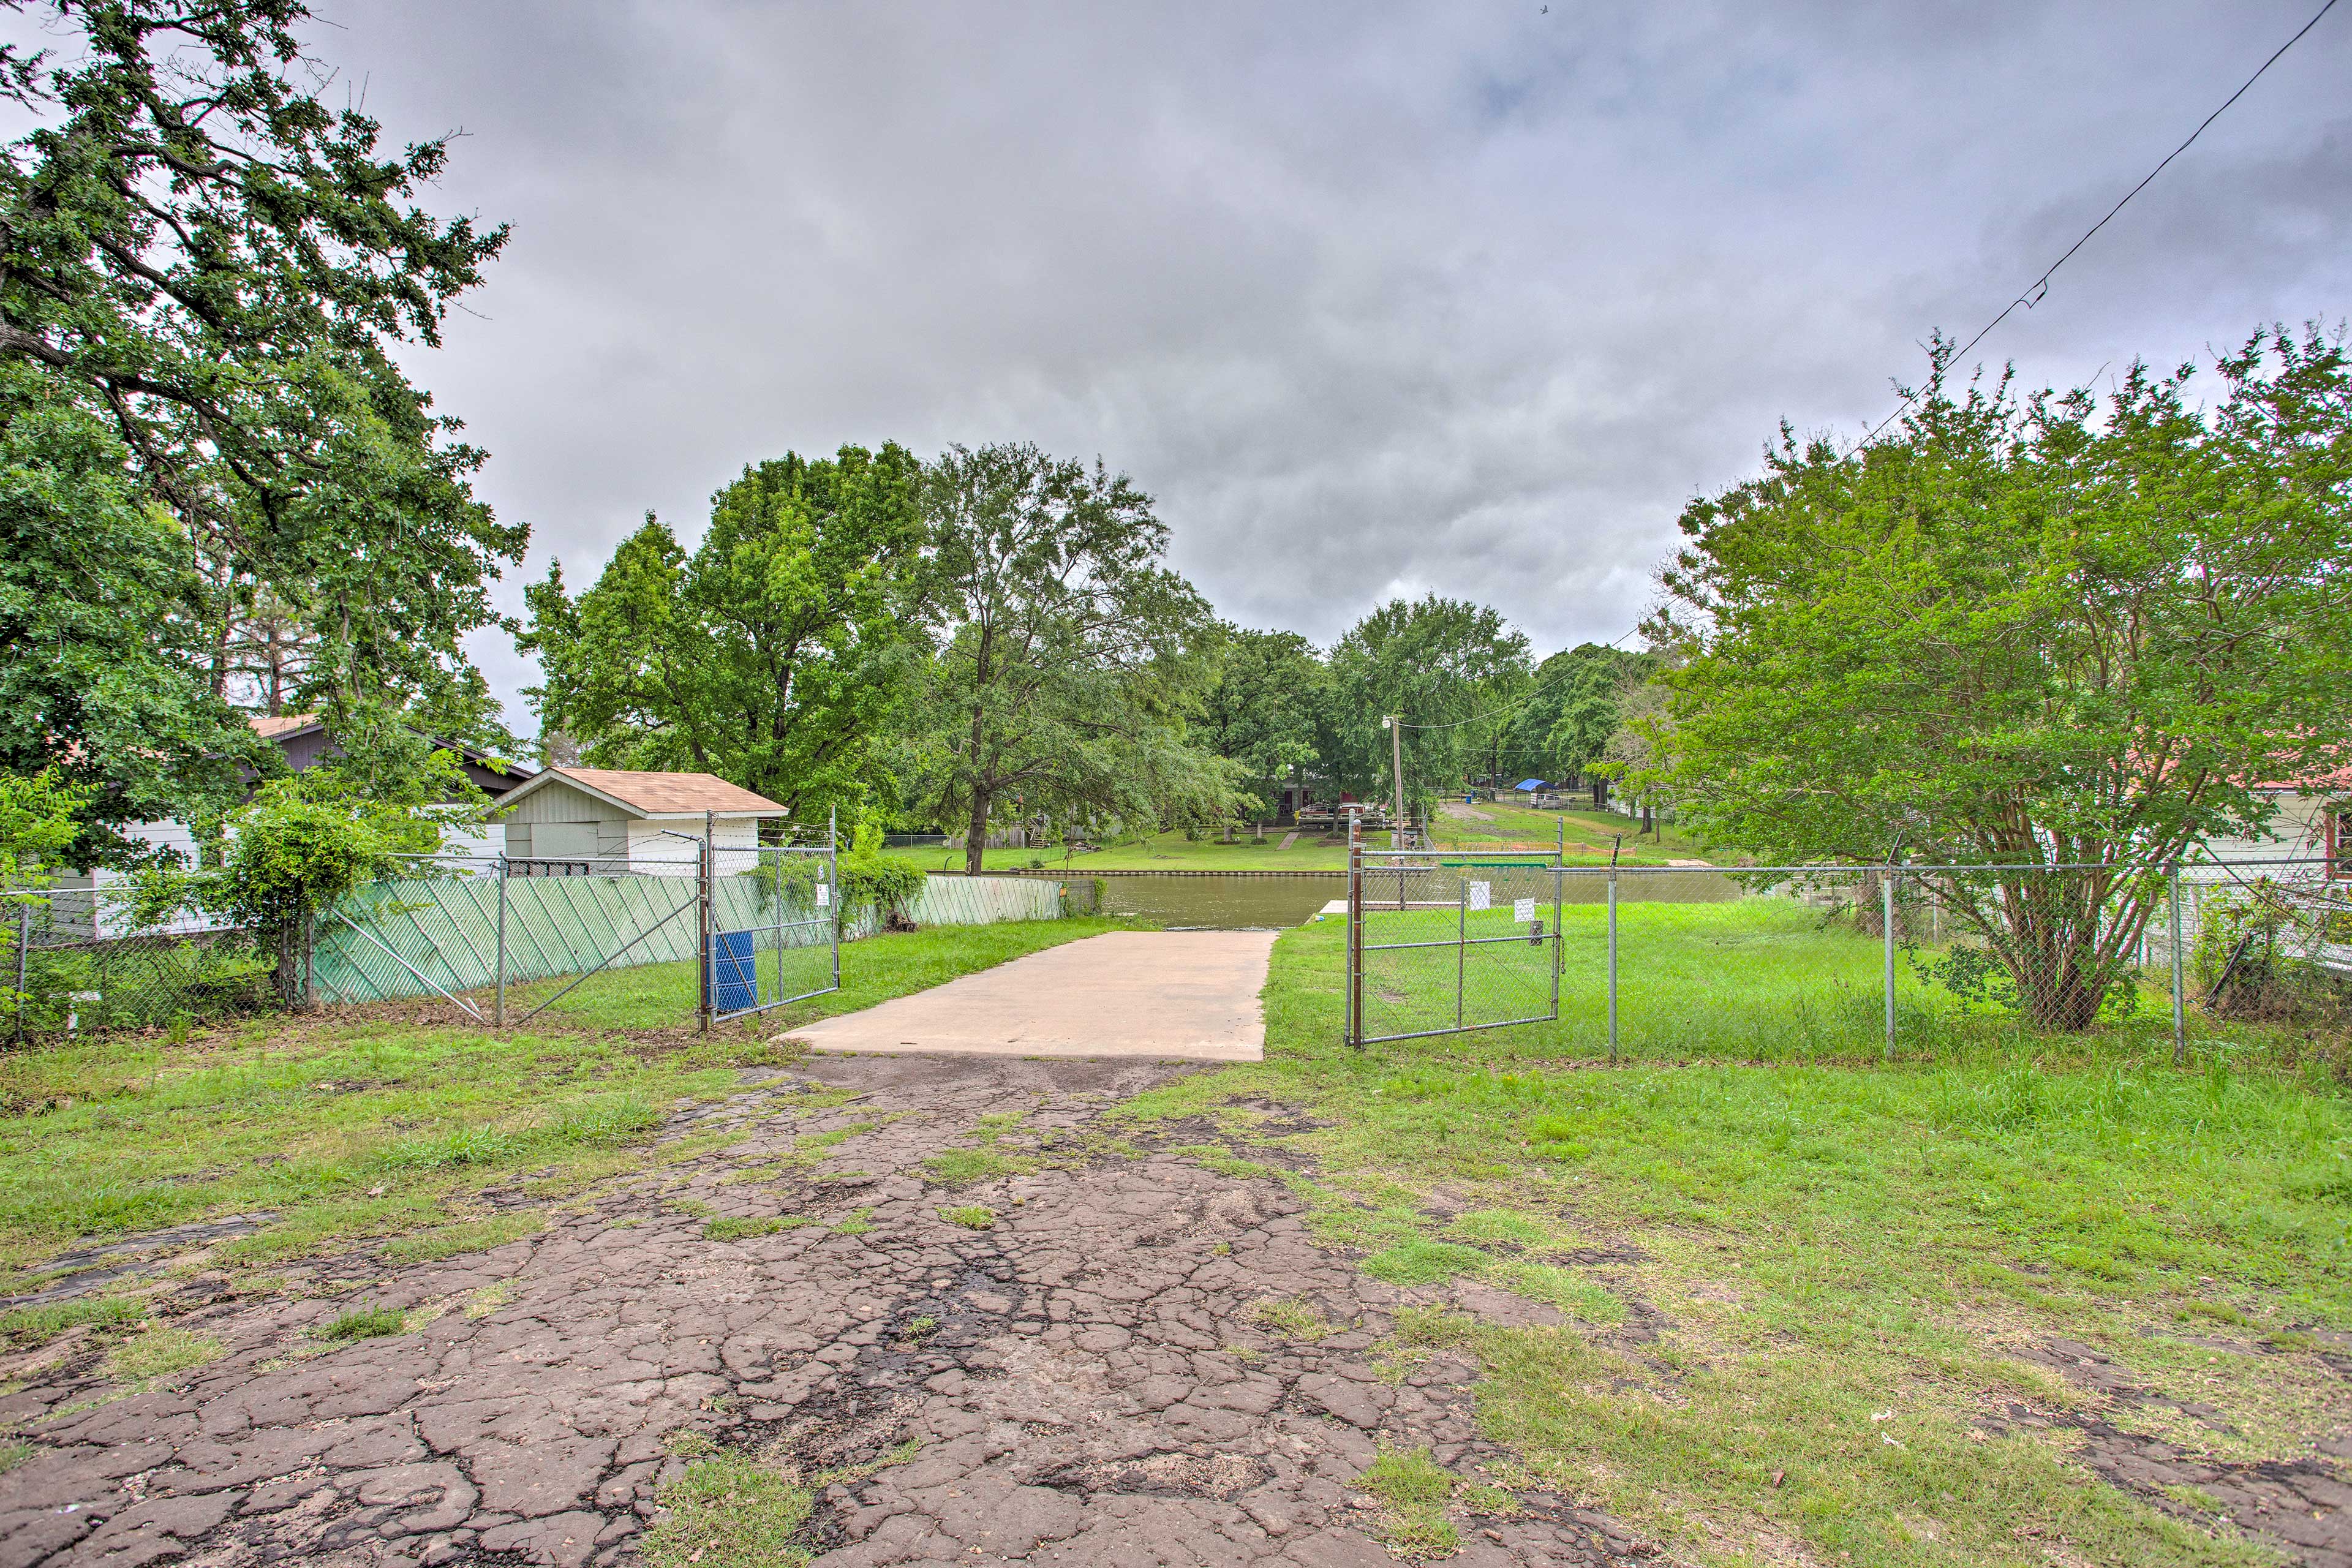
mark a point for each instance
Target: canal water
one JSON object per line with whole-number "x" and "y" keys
{"x": 1276, "y": 903}
{"x": 1222, "y": 903}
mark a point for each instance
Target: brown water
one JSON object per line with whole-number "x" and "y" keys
{"x": 1222, "y": 903}
{"x": 1275, "y": 903}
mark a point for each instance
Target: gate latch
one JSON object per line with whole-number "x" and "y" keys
{"x": 1534, "y": 933}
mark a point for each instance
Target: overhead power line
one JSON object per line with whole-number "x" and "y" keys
{"x": 2040, "y": 286}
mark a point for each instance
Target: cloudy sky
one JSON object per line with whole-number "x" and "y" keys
{"x": 1373, "y": 298}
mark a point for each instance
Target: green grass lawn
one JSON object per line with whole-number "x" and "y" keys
{"x": 1745, "y": 978}
{"x": 663, "y": 996}
{"x": 1853, "y": 1272}
{"x": 352, "y": 1129}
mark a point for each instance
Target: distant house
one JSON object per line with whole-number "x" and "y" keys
{"x": 581, "y": 822}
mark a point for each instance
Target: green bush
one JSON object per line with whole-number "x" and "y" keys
{"x": 867, "y": 877}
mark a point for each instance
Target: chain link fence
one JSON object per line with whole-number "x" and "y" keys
{"x": 73, "y": 959}
{"x": 648, "y": 940}
{"x": 1772, "y": 962}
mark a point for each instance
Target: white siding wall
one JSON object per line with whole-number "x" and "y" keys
{"x": 654, "y": 852}
{"x": 2297, "y": 829}
{"x": 178, "y": 841}
{"x": 478, "y": 845}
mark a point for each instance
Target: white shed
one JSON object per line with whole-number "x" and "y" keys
{"x": 580, "y": 822}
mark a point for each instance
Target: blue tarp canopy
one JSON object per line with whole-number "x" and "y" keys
{"x": 1529, "y": 784}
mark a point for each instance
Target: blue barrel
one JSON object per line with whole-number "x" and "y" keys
{"x": 734, "y": 974}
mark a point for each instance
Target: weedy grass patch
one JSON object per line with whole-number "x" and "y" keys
{"x": 969, "y": 1167}
{"x": 456, "y": 1239}
{"x": 1842, "y": 1261}
{"x": 1412, "y": 1491}
{"x": 730, "y": 1509}
{"x": 733, "y": 1227}
{"x": 971, "y": 1216}
{"x": 1293, "y": 1319}
{"x": 343, "y": 1130}
{"x": 365, "y": 1324}
{"x": 159, "y": 1353}
{"x": 38, "y": 1324}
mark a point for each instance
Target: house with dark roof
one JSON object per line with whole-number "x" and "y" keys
{"x": 302, "y": 739}
{"x": 581, "y": 822}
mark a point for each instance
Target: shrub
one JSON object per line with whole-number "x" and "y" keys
{"x": 869, "y": 878}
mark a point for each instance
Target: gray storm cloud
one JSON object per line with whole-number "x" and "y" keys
{"x": 1373, "y": 298}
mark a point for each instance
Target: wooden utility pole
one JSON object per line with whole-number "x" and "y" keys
{"x": 1396, "y": 780}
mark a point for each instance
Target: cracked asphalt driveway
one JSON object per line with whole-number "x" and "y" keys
{"x": 1087, "y": 1381}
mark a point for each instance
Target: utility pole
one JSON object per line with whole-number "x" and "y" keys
{"x": 1396, "y": 780}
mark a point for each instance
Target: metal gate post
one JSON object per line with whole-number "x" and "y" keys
{"x": 1613, "y": 965}
{"x": 1355, "y": 1026}
{"x": 1559, "y": 938}
{"x": 24, "y": 948}
{"x": 702, "y": 897}
{"x": 498, "y": 998}
{"x": 833, "y": 876}
{"x": 1560, "y": 852}
{"x": 1886, "y": 922}
{"x": 2180, "y": 1024}
{"x": 1460, "y": 947}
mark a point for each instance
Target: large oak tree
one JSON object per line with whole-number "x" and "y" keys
{"x": 777, "y": 655}
{"x": 205, "y": 273}
{"x": 1066, "y": 648}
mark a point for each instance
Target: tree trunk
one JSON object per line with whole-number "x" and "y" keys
{"x": 975, "y": 841}
{"x": 288, "y": 978}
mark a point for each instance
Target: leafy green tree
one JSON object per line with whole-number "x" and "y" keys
{"x": 301, "y": 845}
{"x": 1258, "y": 707}
{"x": 1573, "y": 704}
{"x": 2063, "y": 630}
{"x": 1443, "y": 665}
{"x": 1067, "y": 649}
{"x": 870, "y": 878}
{"x": 36, "y": 821}
{"x": 777, "y": 656}
{"x": 103, "y": 678}
{"x": 201, "y": 257}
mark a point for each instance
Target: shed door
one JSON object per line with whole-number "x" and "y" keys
{"x": 564, "y": 841}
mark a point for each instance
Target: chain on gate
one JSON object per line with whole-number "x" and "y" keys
{"x": 1440, "y": 942}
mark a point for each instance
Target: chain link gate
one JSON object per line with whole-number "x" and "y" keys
{"x": 772, "y": 928}
{"x": 1443, "y": 942}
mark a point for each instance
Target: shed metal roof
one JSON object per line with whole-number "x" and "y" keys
{"x": 648, "y": 794}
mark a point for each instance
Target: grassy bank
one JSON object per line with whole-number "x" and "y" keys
{"x": 339, "y": 1129}
{"x": 1819, "y": 1308}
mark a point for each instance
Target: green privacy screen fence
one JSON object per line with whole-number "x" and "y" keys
{"x": 440, "y": 932}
